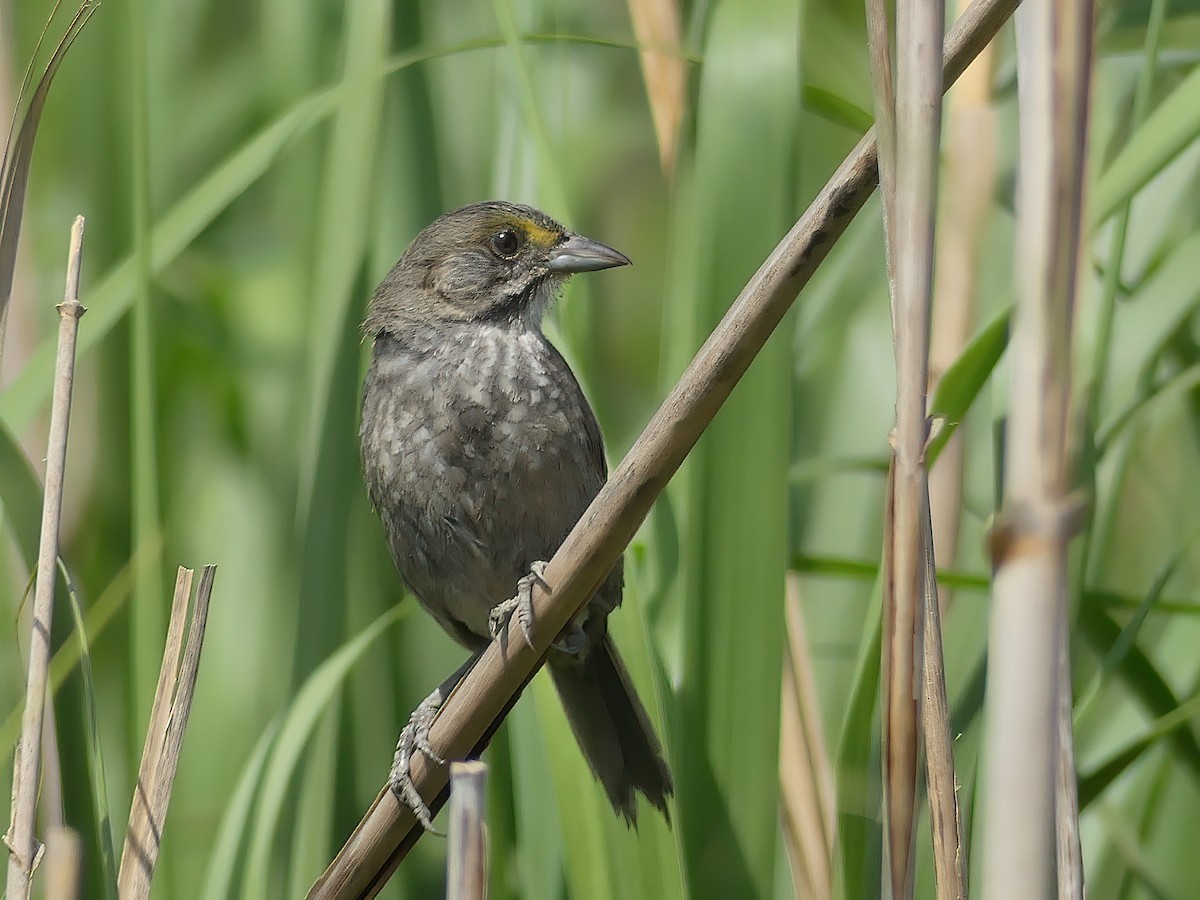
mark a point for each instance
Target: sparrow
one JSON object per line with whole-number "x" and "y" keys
{"x": 480, "y": 452}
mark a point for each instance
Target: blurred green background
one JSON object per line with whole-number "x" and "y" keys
{"x": 249, "y": 171}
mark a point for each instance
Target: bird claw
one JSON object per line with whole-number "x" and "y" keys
{"x": 521, "y": 605}
{"x": 413, "y": 737}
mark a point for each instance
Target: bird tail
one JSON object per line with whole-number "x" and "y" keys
{"x": 613, "y": 728}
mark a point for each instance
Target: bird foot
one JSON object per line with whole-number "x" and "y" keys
{"x": 413, "y": 737}
{"x": 521, "y": 605}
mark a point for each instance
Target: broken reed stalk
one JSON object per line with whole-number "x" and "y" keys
{"x": 1026, "y": 753}
{"x": 467, "y": 850}
{"x": 164, "y": 735}
{"x": 476, "y": 707}
{"x": 22, "y": 841}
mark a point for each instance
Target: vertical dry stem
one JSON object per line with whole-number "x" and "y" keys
{"x": 64, "y": 859}
{"x": 657, "y": 28}
{"x": 466, "y": 856}
{"x": 949, "y": 848}
{"x": 807, "y": 798}
{"x": 969, "y": 164}
{"x": 1023, "y": 765}
{"x": 909, "y": 230}
{"x": 22, "y": 842}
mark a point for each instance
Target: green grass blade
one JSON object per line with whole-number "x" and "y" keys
{"x": 310, "y": 704}
{"x": 860, "y": 835}
{"x": 735, "y": 203}
{"x": 1174, "y": 723}
{"x": 148, "y": 619}
{"x": 230, "y": 839}
{"x": 97, "y": 619}
{"x": 113, "y": 294}
{"x": 1141, "y": 676}
{"x": 21, "y": 493}
{"x": 95, "y": 758}
{"x": 961, "y": 384}
{"x": 1170, "y": 128}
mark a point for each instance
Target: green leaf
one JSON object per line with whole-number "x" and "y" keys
{"x": 18, "y": 153}
{"x": 95, "y": 757}
{"x": 1172, "y": 725}
{"x": 734, "y": 202}
{"x": 1167, "y": 131}
{"x": 230, "y": 840}
{"x": 958, "y": 388}
{"x": 1143, "y": 679}
{"x": 860, "y": 835}
{"x": 310, "y": 704}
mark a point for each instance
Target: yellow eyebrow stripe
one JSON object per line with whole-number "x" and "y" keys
{"x": 543, "y": 237}
{"x": 534, "y": 232}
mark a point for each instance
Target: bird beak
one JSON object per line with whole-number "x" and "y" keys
{"x": 580, "y": 254}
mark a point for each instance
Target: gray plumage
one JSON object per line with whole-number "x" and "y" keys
{"x": 481, "y": 452}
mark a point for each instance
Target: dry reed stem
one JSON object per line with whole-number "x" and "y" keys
{"x": 63, "y": 864}
{"x": 164, "y": 736}
{"x": 1072, "y": 51}
{"x": 140, "y": 831}
{"x": 466, "y": 852}
{"x": 969, "y": 175}
{"x": 476, "y": 707}
{"x": 21, "y": 840}
{"x": 1028, "y": 770}
{"x": 949, "y": 848}
{"x": 658, "y": 31}
{"x": 808, "y": 804}
{"x": 879, "y": 51}
{"x": 910, "y": 228}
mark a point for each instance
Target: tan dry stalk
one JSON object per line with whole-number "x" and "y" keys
{"x": 910, "y": 229}
{"x": 164, "y": 735}
{"x": 1028, "y": 772}
{"x": 141, "y": 831}
{"x": 969, "y": 174}
{"x": 808, "y": 805}
{"x": 949, "y": 848}
{"x": 476, "y": 707}
{"x": 21, "y": 839}
{"x": 63, "y": 864}
{"x": 658, "y": 31}
{"x": 879, "y": 50}
{"x": 467, "y": 850}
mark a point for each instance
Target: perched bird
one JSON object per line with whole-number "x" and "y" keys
{"x": 480, "y": 454}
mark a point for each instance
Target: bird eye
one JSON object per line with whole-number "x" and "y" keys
{"x": 506, "y": 243}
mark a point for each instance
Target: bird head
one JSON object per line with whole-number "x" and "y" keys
{"x": 494, "y": 261}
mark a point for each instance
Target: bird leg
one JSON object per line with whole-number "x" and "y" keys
{"x": 521, "y": 604}
{"x": 415, "y": 736}
{"x": 571, "y": 641}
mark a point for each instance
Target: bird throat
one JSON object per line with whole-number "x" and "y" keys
{"x": 529, "y": 306}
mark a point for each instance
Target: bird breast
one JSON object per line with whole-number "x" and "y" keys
{"x": 477, "y": 455}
